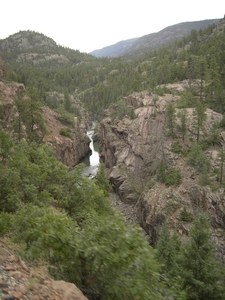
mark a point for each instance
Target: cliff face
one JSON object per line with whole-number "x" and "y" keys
{"x": 132, "y": 150}
{"x": 68, "y": 150}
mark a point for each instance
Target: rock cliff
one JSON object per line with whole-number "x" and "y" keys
{"x": 132, "y": 150}
{"x": 70, "y": 150}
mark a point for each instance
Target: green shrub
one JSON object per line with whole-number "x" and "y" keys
{"x": 186, "y": 216}
{"x": 187, "y": 100}
{"x": 65, "y": 117}
{"x": 169, "y": 176}
{"x": 197, "y": 158}
{"x": 119, "y": 109}
{"x": 5, "y": 223}
{"x": 177, "y": 148}
{"x": 66, "y": 132}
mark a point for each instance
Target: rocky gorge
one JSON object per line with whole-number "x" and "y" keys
{"x": 69, "y": 150}
{"x": 132, "y": 149}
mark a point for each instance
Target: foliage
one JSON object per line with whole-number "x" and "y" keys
{"x": 30, "y": 115}
{"x": 32, "y": 174}
{"x": 193, "y": 266}
{"x": 170, "y": 118}
{"x": 65, "y": 131}
{"x": 168, "y": 248}
{"x": 6, "y": 221}
{"x": 120, "y": 109}
{"x": 176, "y": 147}
{"x": 105, "y": 259}
{"x": 5, "y": 145}
{"x": 197, "y": 158}
{"x": 101, "y": 180}
{"x": 100, "y": 82}
{"x": 183, "y": 123}
{"x": 83, "y": 240}
{"x": 65, "y": 117}
{"x": 199, "y": 117}
{"x": 168, "y": 251}
{"x": 185, "y": 215}
{"x": 199, "y": 268}
{"x": 222, "y": 122}
{"x": 169, "y": 176}
{"x": 187, "y": 100}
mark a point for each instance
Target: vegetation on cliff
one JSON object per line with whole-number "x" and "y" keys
{"x": 66, "y": 220}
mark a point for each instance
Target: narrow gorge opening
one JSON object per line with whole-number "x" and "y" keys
{"x": 92, "y": 160}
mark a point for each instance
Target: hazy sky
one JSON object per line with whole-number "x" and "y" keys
{"x": 87, "y": 25}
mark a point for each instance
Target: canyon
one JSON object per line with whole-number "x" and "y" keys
{"x": 132, "y": 150}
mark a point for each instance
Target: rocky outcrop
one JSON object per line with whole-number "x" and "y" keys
{"x": 132, "y": 150}
{"x": 69, "y": 150}
{"x": 167, "y": 204}
{"x": 20, "y": 281}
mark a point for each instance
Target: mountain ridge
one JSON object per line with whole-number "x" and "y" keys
{"x": 133, "y": 47}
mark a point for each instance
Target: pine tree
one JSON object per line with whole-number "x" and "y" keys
{"x": 199, "y": 268}
{"x": 200, "y": 117}
{"x": 183, "y": 123}
{"x": 168, "y": 248}
{"x": 171, "y": 118}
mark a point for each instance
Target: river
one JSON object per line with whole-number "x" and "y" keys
{"x": 92, "y": 160}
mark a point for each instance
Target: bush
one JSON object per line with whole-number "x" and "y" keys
{"x": 119, "y": 109}
{"x": 197, "y": 158}
{"x": 169, "y": 176}
{"x": 65, "y": 117}
{"x": 5, "y": 223}
{"x": 186, "y": 216}
{"x": 177, "y": 148}
{"x": 187, "y": 100}
{"x": 66, "y": 132}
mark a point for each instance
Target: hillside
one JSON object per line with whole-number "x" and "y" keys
{"x": 161, "y": 133}
{"x": 35, "y": 47}
{"x": 139, "y": 46}
{"x": 114, "y": 50}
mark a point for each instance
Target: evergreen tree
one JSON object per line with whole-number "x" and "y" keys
{"x": 67, "y": 102}
{"x": 199, "y": 268}
{"x": 168, "y": 249}
{"x": 199, "y": 118}
{"x": 221, "y": 170}
{"x": 183, "y": 125}
{"x": 102, "y": 181}
{"x": 171, "y": 118}
{"x": 202, "y": 64}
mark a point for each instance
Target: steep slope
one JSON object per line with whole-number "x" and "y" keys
{"x": 70, "y": 150}
{"x": 166, "y": 36}
{"x": 36, "y": 48}
{"x": 138, "y": 46}
{"x": 18, "y": 280}
{"x": 115, "y": 49}
{"x": 133, "y": 150}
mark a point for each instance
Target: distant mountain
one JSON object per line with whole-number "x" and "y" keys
{"x": 116, "y": 49}
{"x": 138, "y": 46}
{"x": 30, "y": 47}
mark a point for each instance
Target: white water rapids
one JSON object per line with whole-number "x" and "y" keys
{"x": 92, "y": 160}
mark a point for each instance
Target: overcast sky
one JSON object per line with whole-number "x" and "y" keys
{"x": 87, "y": 25}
